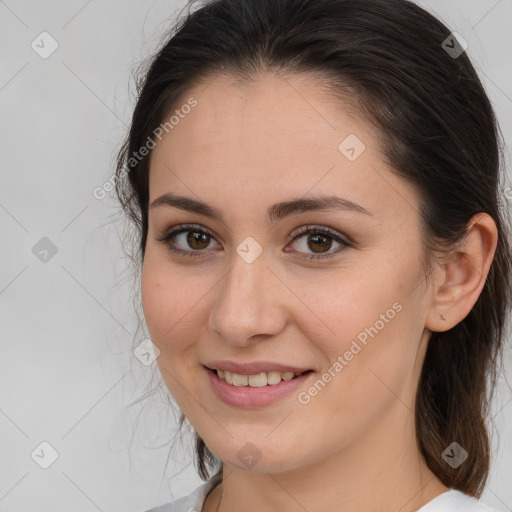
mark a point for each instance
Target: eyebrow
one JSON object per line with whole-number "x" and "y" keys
{"x": 275, "y": 212}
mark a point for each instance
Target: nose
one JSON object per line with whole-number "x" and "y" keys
{"x": 247, "y": 305}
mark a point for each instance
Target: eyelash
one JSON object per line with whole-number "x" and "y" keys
{"x": 303, "y": 230}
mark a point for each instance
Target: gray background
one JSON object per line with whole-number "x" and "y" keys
{"x": 68, "y": 324}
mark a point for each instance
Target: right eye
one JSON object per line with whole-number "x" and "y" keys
{"x": 195, "y": 237}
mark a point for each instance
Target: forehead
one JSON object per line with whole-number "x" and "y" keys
{"x": 275, "y": 137}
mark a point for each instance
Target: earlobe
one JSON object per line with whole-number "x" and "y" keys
{"x": 464, "y": 276}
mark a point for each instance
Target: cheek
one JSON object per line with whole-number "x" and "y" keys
{"x": 347, "y": 305}
{"x": 154, "y": 301}
{"x": 365, "y": 320}
{"x": 169, "y": 314}
{"x": 167, "y": 304}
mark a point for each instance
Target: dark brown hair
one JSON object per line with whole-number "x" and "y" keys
{"x": 437, "y": 129}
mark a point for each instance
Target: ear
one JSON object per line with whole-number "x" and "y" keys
{"x": 463, "y": 274}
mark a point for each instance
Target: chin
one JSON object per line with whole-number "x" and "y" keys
{"x": 258, "y": 457}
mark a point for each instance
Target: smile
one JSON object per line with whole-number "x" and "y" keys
{"x": 249, "y": 391}
{"x": 258, "y": 380}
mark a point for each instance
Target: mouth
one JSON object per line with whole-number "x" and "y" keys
{"x": 259, "y": 380}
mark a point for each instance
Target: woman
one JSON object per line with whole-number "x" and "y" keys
{"x": 325, "y": 261}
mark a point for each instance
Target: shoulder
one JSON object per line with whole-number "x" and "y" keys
{"x": 455, "y": 501}
{"x": 193, "y": 502}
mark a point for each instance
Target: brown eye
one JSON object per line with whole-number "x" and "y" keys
{"x": 318, "y": 241}
{"x": 197, "y": 240}
{"x": 188, "y": 240}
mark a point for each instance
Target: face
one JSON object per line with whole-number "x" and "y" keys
{"x": 337, "y": 291}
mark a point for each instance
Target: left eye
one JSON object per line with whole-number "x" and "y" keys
{"x": 317, "y": 239}
{"x": 320, "y": 241}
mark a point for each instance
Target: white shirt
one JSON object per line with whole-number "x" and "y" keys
{"x": 449, "y": 501}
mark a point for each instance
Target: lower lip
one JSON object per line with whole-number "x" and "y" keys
{"x": 248, "y": 397}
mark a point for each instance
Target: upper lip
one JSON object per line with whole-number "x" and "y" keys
{"x": 253, "y": 368}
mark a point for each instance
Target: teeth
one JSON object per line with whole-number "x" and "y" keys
{"x": 240, "y": 380}
{"x": 255, "y": 381}
{"x": 274, "y": 377}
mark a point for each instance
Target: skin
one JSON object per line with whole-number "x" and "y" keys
{"x": 353, "y": 446}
